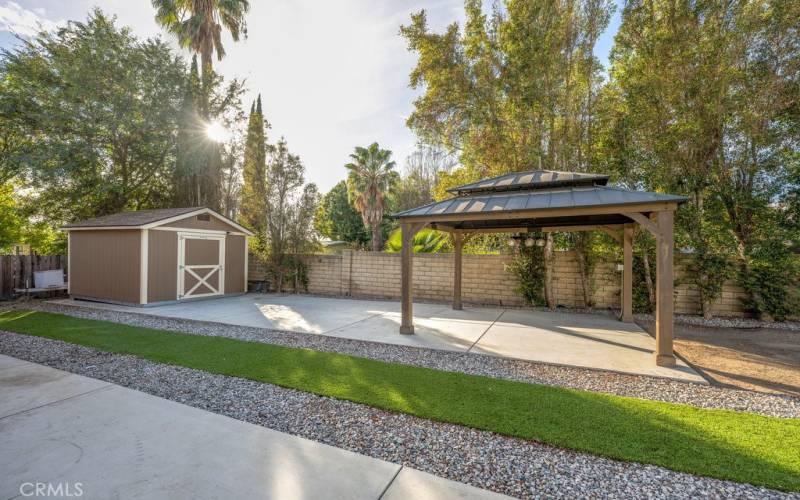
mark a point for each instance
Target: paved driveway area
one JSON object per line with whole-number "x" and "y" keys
{"x": 585, "y": 340}
{"x": 105, "y": 441}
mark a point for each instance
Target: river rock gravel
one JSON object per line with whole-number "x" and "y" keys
{"x": 639, "y": 386}
{"x": 524, "y": 469}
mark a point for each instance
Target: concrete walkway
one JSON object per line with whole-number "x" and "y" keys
{"x": 584, "y": 340}
{"x": 111, "y": 442}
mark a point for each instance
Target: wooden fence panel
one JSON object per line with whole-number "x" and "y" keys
{"x": 16, "y": 271}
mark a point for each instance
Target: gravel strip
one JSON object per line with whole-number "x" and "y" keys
{"x": 639, "y": 386}
{"x": 516, "y": 467}
{"x": 727, "y": 322}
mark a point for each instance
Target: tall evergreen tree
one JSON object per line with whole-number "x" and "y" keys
{"x": 188, "y": 159}
{"x": 254, "y": 199}
{"x": 198, "y": 167}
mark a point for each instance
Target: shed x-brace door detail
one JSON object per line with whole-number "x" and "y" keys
{"x": 201, "y": 271}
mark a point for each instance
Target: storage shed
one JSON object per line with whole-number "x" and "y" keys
{"x": 152, "y": 257}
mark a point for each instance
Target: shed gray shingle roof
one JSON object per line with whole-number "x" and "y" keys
{"x": 133, "y": 219}
{"x": 534, "y": 199}
{"x": 533, "y": 179}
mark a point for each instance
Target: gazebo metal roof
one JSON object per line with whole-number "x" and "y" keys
{"x": 504, "y": 201}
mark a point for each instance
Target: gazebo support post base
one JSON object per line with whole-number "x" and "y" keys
{"x": 407, "y": 330}
{"x": 667, "y": 360}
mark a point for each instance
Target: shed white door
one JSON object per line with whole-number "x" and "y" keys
{"x": 201, "y": 271}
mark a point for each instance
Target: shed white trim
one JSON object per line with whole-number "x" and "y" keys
{"x": 246, "y": 264}
{"x": 209, "y": 269}
{"x": 195, "y": 213}
{"x": 158, "y": 223}
{"x": 143, "y": 266}
{"x": 69, "y": 264}
{"x": 198, "y": 231}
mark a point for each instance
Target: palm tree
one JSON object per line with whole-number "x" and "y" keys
{"x": 425, "y": 241}
{"x": 198, "y": 24}
{"x": 371, "y": 176}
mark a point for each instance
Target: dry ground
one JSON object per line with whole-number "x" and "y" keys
{"x": 761, "y": 359}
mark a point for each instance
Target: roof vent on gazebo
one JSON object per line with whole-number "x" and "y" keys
{"x": 533, "y": 179}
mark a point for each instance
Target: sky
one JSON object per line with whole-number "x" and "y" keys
{"x": 332, "y": 75}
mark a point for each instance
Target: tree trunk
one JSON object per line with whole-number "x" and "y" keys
{"x": 278, "y": 280}
{"x": 754, "y": 295}
{"x": 648, "y": 278}
{"x": 583, "y": 268}
{"x": 205, "y": 78}
{"x": 549, "y": 293}
{"x": 706, "y": 306}
{"x": 377, "y": 244}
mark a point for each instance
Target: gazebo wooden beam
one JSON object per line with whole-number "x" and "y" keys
{"x": 662, "y": 229}
{"x": 644, "y": 221}
{"x": 664, "y": 289}
{"x": 610, "y": 229}
{"x": 492, "y": 230}
{"x": 408, "y": 231}
{"x": 459, "y": 239}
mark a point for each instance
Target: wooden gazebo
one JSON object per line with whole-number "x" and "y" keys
{"x": 543, "y": 200}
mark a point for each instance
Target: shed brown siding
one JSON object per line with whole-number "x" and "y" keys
{"x": 162, "y": 269}
{"x": 105, "y": 264}
{"x": 193, "y": 223}
{"x": 234, "y": 264}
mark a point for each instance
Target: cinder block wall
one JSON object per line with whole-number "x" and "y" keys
{"x": 484, "y": 280}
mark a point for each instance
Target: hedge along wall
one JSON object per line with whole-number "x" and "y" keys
{"x": 484, "y": 280}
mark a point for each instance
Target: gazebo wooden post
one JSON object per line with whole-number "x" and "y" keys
{"x": 664, "y": 289}
{"x": 458, "y": 245}
{"x": 408, "y": 231}
{"x": 627, "y": 273}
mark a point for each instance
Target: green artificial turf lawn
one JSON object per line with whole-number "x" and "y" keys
{"x": 741, "y": 447}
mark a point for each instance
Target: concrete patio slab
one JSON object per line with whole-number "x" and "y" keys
{"x": 585, "y": 340}
{"x": 121, "y": 443}
{"x": 434, "y": 329}
{"x": 418, "y": 485}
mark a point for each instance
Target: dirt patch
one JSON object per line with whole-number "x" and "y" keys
{"x": 761, "y": 359}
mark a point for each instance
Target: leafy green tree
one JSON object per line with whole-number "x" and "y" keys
{"x": 254, "y": 197}
{"x": 420, "y": 177}
{"x": 371, "y": 177}
{"x": 514, "y": 91}
{"x": 337, "y": 219}
{"x": 98, "y": 111}
{"x": 10, "y": 220}
{"x": 699, "y": 102}
{"x": 290, "y": 210}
